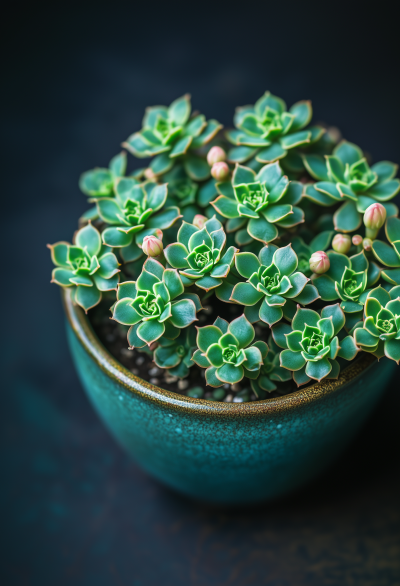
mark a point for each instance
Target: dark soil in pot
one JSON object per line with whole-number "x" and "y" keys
{"x": 113, "y": 337}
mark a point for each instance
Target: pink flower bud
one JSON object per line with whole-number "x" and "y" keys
{"x": 216, "y": 155}
{"x": 367, "y": 244}
{"x": 149, "y": 173}
{"x": 375, "y": 216}
{"x": 341, "y": 243}
{"x": 199, "y": 221}
{"x": 357, "y": 240}
{"x": 319, "y": 262}
{"x": 220, "y": 171}
{"x": 152, "y": 246}
{"x": 334, "y": 134}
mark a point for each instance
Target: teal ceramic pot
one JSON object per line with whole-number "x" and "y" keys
{"x": 225, "y": 452}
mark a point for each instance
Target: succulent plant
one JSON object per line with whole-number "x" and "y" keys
{"x": 170, "y": 134}
{"x": 380, "y": 334}
{"x": 87, "y": 266}
{"x": 346, "y": 175}
{"x": 270, "y": 371}
{"x": 268, "y": 132}
{"x": 176, "y": 355}
{"x": 389, "y": 254}
{"x": 273, "y": 285}
{"x": 132, "y": 215}
{"x": 188, "y": 195}
{"x": 226, "y": 352}
{"x": 311, "y": 344}
{"x": 257, "y": 204}
{"x": 199, "y": 254}
{"x": 155, "y": 305}
{"x": 241, "y": 231}
{"x": 348, "y": 278}
{"x": 100, "y": 182}
{"x": 181, "y": 189}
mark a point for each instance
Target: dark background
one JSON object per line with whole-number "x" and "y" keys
{"x": 74, "y": 509}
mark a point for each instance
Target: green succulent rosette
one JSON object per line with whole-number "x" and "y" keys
{"x": 270, "y": 371}
{"x": 267, "y": 132}
{"x": 346, "y": 175}
{"x": 87, "y": 267}
{"x": 273, "y": 285}
{"x": 256, "y": 205}
{"x": 389, "y": 254}
{"x": 100, "y": 182}
{"x": 176, "y": 355}
{"x": 349, "y": 279}
{"x": 182, "y": 192}
{"x": 190, "y": 196}
{"x": 311, "y": 344}
{"x": 133, "y": 215}
{"x": 304, "y": 251}
{"x": 226, "y": 352}
{"x": 200, "y": 255}
{"x": 170, "y": 134}
{"x": 155, "y": 305}
{"x": 380, "y": 334}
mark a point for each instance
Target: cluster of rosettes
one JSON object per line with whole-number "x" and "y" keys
{"x": 241, "y": 231}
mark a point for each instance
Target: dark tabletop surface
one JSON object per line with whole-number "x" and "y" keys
{"x": 74, "y": 509}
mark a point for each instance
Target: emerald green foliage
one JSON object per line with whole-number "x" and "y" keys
{"x": 170, "y": 134}
{"x": 100, "y": 182}
{"x": 312, "y": 344}
{"x": 380, "y": 334}
{"x": 234, "y": 232}
{"x": 348, "y": 279}
{"x": 132, "y": 215}
{"x": 346, "y": 175}
{"x": 257, "y": 204}
{"x": 189, "y": 195}
{"x": 225, "y": 350}
{"x": 273, "y": 285}
{"x": 182, "y": 190}
{"x": 87, "y": 266}
{"x": 267, "y": 132}
{"x": 270, "y": 371}
{"x": 200, "y": 256}
{"x": 176, "y": 355}
{"x": 155, "y": 305}
{"x": 389, "y": 254}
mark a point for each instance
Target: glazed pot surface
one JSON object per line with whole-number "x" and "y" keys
{"x": 225, "y": 452}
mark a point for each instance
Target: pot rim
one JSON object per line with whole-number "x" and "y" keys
{"x": 83, "y": 330}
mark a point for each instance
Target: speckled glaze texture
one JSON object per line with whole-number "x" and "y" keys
{"x": 225, "y": 452}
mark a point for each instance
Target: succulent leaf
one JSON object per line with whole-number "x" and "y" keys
{"x": 79, "y": 265}
{"x": 152, "y": 304}
{"x": 228, "y": 351}
{"x": 269, "y": 131}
